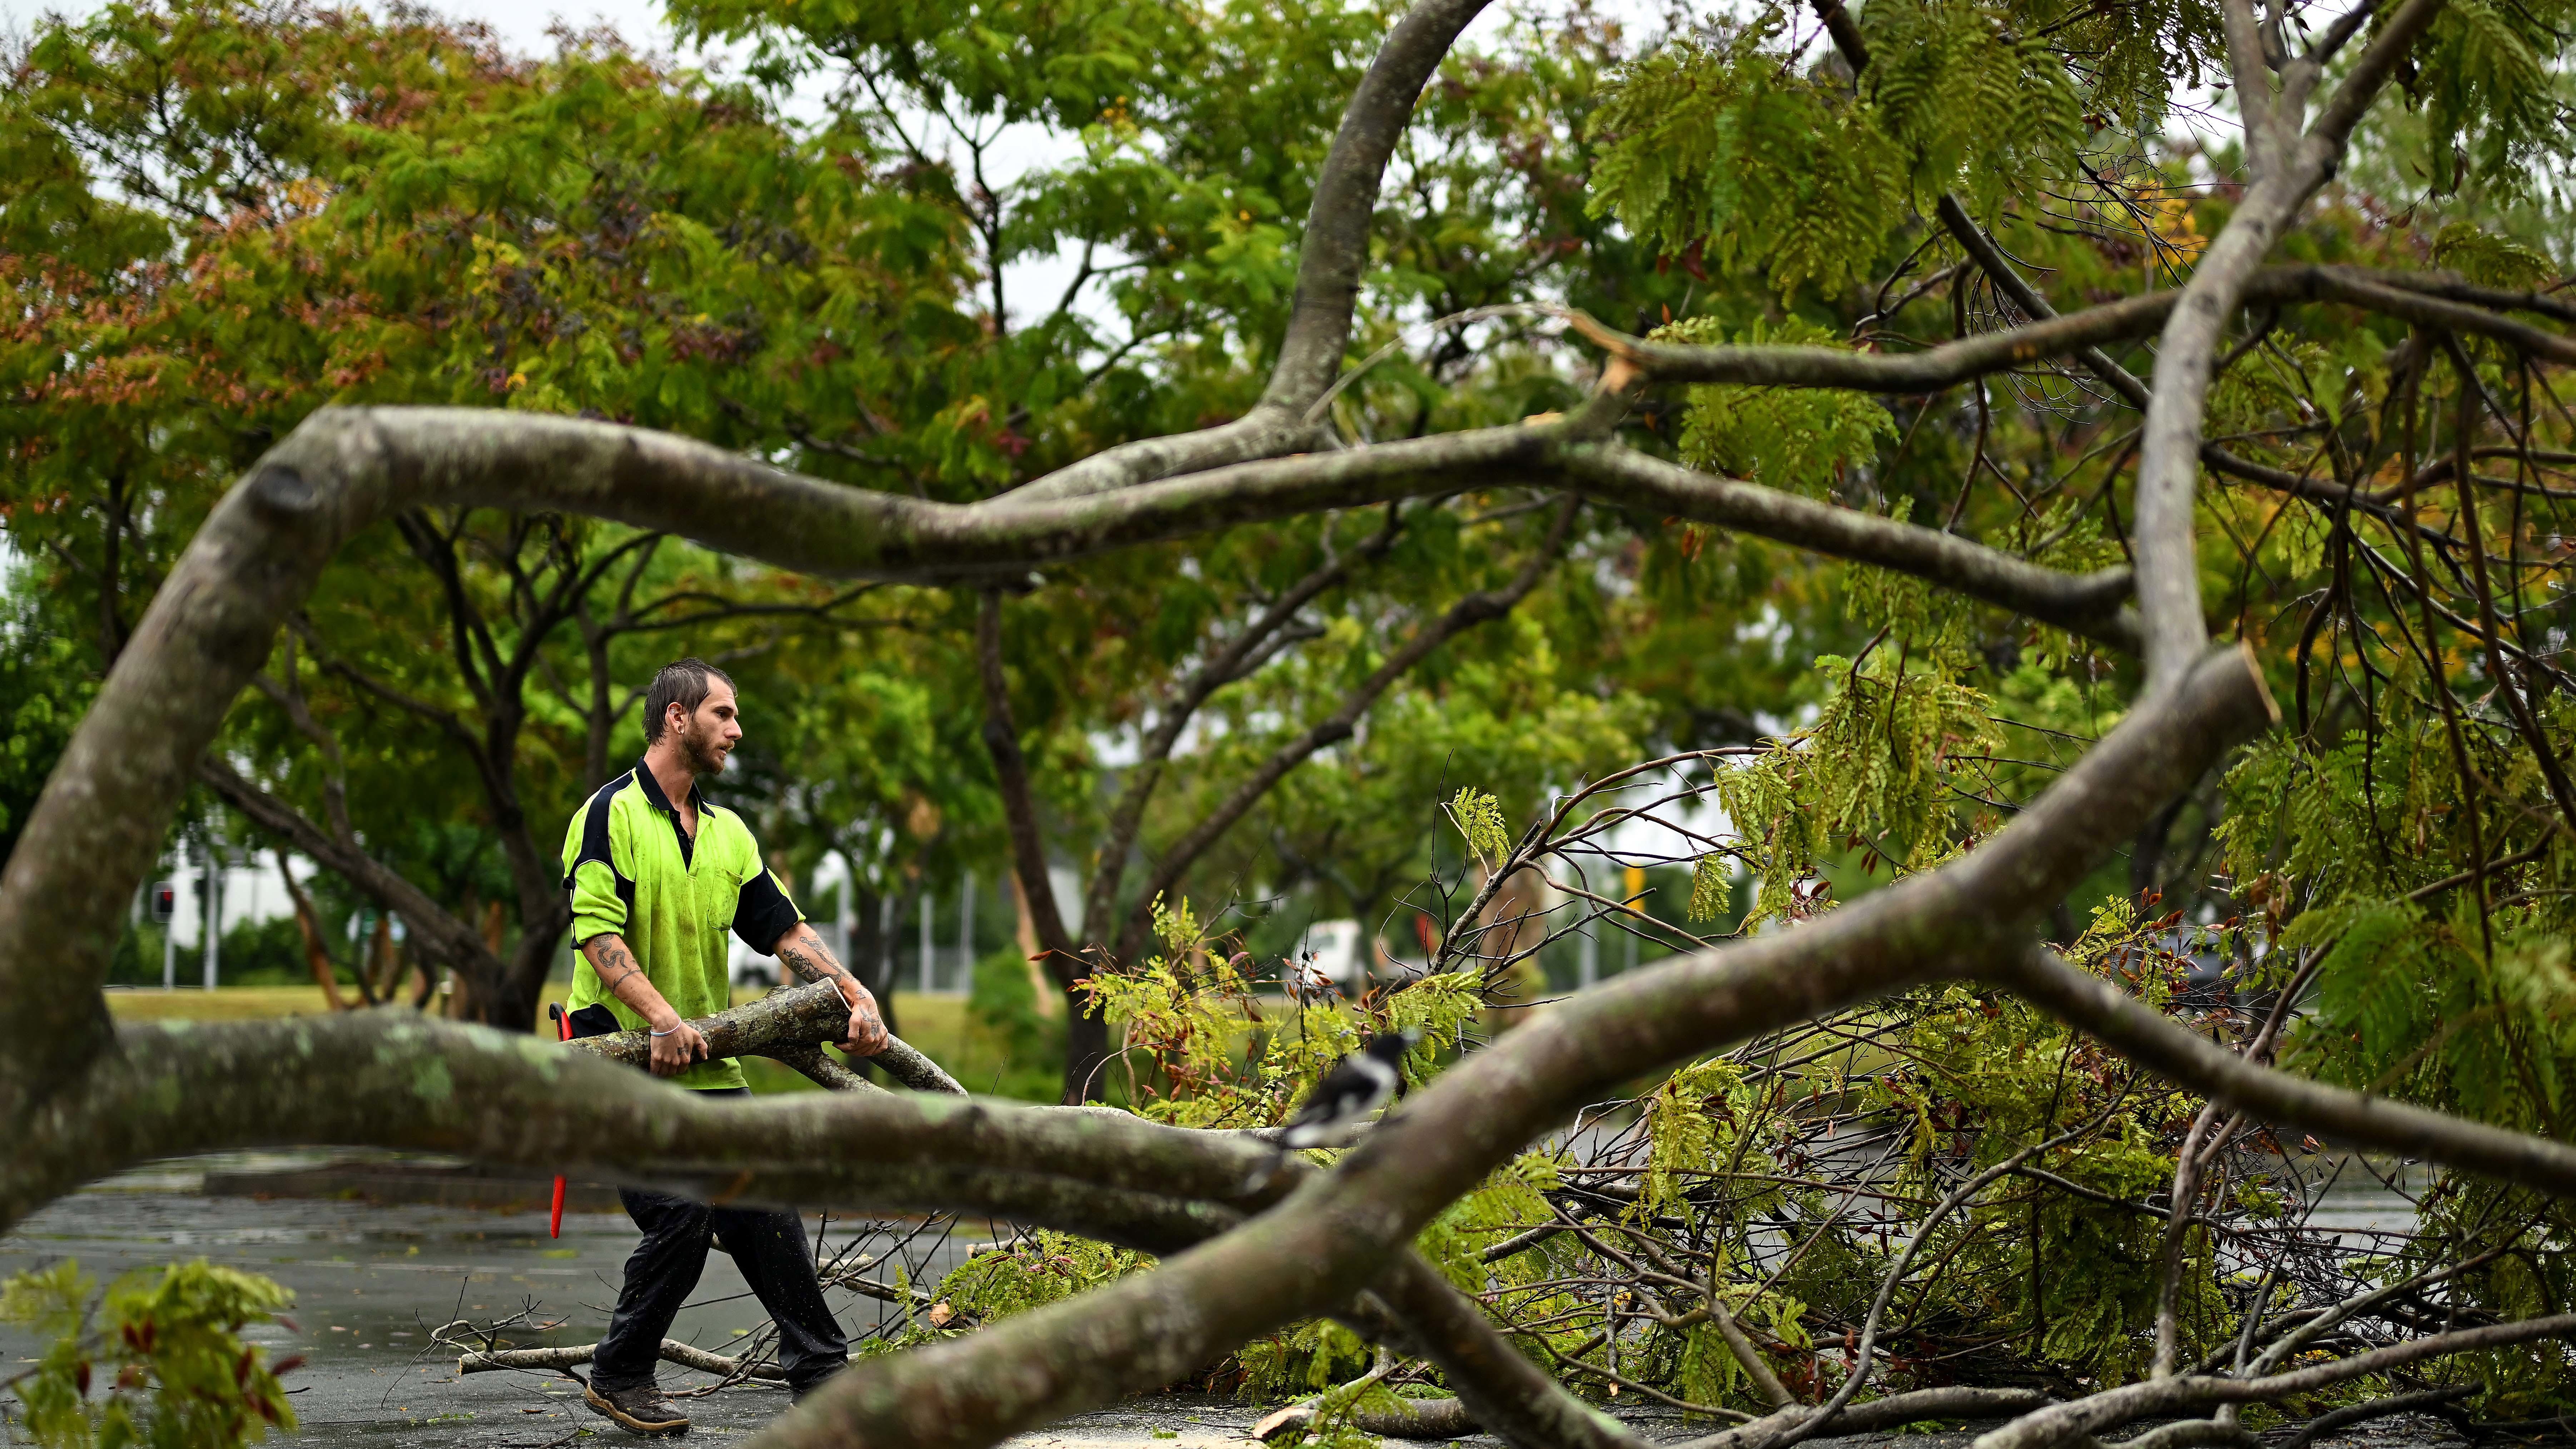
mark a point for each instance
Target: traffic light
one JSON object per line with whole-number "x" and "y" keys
{"x": 165, "y": 901}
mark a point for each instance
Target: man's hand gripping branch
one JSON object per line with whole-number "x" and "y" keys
{"x": 676, "y": 1044}
{"x": 802, "y": 951}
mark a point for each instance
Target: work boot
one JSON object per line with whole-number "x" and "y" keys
{"x": 639, "y": 1410}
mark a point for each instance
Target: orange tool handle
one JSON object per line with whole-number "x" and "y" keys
{"x": 563, "y": 1032}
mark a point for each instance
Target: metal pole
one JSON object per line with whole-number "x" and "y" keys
{"x": 849, "y": 905}
{"x": 170, "y": 940}
{"x": 966, "y": 934}
{"x": 1635, "y": 880}
{"x": 1587, "y": 960}
{"x": 885, "y": 937}
{"x": 929, "y": 904}
{"x": 214, "y": 911}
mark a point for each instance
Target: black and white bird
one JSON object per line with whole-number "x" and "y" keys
{"x": 1357, "y": 1085}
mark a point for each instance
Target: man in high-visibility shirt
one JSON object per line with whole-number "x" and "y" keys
{"x": 658, "y": 874}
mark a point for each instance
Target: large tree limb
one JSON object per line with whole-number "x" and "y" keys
{"x": 513, "y": 1101}
{"x": 2093, "y": 606}
{"x": 2051, "y": 334}
{"x": 2153, "y": 1041}
{"x": 2289, "y": 169}
{"x": 1330, "y": 260}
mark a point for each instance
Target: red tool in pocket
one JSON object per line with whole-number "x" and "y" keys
{"x": 563, "y": 1032}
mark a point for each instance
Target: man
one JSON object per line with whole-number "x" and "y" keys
{"x": 658, "y": 873}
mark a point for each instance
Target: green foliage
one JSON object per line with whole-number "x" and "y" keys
{"x": 1871, "y": 769}
{"x": 46, "y": 686}
{"x": 1683, "y": 1117}
{"x": 1204, "y": 1054}
{"x": 1975, "y": 98}
{"x": 2491, "y": 99}
{"x": 1798, "y": 440}
{"x": 1003, "y": 999}
{"x": 1032, "y": 1271}
{"x": 1719, "y": 147}
{"x": 1479, "y": 818}
{"x": 2438, "y": 1001}
{"x": 1712, "y": 886}
{"x": 1727, "y": 148}
{"x": 2491, "y": 260}
{"x": 161, "y": 1349}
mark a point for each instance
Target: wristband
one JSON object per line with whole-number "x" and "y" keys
{"x": 650, "y": 1031}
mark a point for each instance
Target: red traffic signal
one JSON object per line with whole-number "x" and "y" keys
{"x": 165, "y": 901}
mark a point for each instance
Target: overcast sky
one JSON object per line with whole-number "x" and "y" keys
{"x": 523, "y": 26}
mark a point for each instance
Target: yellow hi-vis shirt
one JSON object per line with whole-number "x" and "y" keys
{"x": 632, "y": 869}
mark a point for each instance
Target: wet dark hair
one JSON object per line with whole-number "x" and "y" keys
{"x": 682, "y": 682}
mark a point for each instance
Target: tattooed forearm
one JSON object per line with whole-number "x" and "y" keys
{"x": 804, "y": 953}
{"x": 622, "y": 976}
{"x": 613, "y": 964}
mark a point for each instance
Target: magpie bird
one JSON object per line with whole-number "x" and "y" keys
{"x": 1357, "y": 1085}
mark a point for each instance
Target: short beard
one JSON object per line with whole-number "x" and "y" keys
{"x": 699, "y": 750}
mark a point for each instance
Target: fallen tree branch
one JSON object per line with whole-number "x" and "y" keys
{"x": 2039, "y": 976}
{"x": 787, "y": 1025}
{"x": 2362, "y": 1413}
{"x": 1894, "y": 1411}
{"x": 1330, "y": 260}
{"x": 810, "y": 1063}
{"x": 515, "y": 1101}
{"x": 2064, "y": 1423}
{"x": 1416, "y": 1419}
{"x": 559, "y": 1359}
{"x": 2092, "y": 605}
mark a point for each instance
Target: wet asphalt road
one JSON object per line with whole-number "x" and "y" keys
{"x": 372, "y": 1282}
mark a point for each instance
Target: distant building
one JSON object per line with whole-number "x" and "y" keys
{"x": 1333, "y": 952}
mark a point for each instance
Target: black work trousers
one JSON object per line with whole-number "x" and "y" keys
{"x": 769, "y": 1249}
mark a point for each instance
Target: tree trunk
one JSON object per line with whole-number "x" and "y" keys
{"x": 376, "y": 978}
{"x": 1086, "y": 1054}
{"x": 2147, "y": 851}
{"x": 868, "y": 958}
{"x": 326, "y": 974}
{"x": 1051, "y": 1003}
{"x": 1087, "y": 1043}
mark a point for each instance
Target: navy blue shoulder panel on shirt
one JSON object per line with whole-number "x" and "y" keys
{"x": 762, "y": 913}
{"x": 594, "y": 840}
